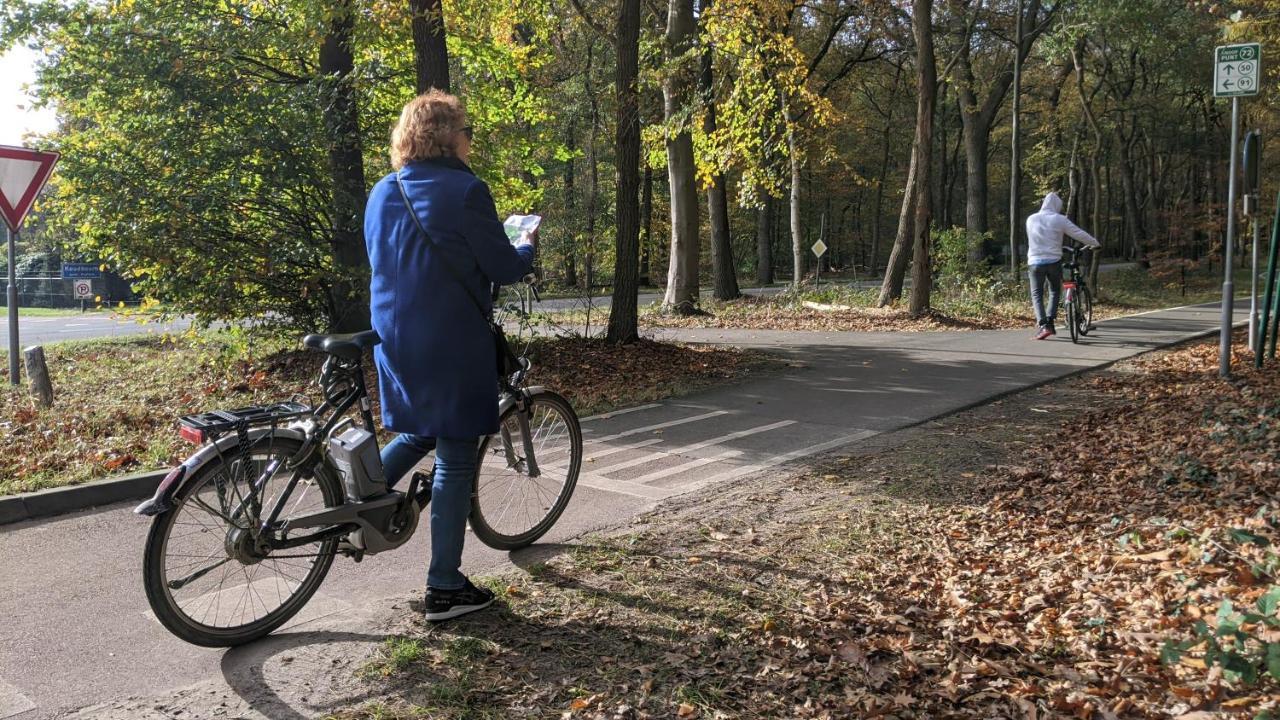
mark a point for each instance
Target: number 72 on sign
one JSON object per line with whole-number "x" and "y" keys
{"x": 1237, "y": 70}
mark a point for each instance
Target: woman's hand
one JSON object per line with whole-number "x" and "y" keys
{"x": 530, "y": 238}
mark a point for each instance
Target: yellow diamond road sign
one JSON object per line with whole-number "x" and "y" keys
{"x": 1237, "y": 70}
{"x": 819, "y": 248}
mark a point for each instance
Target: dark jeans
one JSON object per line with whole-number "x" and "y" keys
{"x": 1040, "y": 274}
{"x": 455, "y": 476}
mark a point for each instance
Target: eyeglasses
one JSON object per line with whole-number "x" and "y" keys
{"x": 468, "y": 131}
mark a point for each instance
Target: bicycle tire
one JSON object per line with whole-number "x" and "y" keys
{"x": 1073, "y": 320}
{"x": 181, "y": 621}
{"x": 486, "y": 524}
{"x": 1086, "y": 310}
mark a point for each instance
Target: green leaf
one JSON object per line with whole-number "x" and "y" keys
{"x": 1268, "y": 603}
{"x": 1171, "y": 653}
{"x": 1240, "y": 665}
{"x": 1240, "y": 535}
{"x": 1273, "y": 660}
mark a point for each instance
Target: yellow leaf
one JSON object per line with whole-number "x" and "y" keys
{"x": 686, "y": 710}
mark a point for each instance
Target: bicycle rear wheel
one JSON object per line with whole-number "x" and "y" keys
{"x": 1073, "y": 317}
{"x": 513, "y": 505}
{"x": 1086, "y": 309}
{"x": 207, "y": 580}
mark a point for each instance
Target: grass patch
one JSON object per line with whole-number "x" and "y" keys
{"x": 47, "y": 312}
{"x": 117, "y": 400}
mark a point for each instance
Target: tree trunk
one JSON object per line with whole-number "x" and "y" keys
{"x": 646, "y": 212}
{"x": 349, "y": 308}
{"x": 430, "y": 53}
{"x": 921, "y": 277}
{"x": 723, "y": 272}
{"x": 894, "y": 272}
{"x": 764, "y": 241}
{"x": 976, "y": 143}
{"x": 797, "y": 235}
{"x": 623, "y": 319}
{"x": 570, "y": 205}
{"x": 677, "y": 86}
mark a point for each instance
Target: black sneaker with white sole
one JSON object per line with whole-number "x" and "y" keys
{"x": 449, "y": 604}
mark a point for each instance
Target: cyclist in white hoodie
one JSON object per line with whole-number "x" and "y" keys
{"x": 1044, "y": 258}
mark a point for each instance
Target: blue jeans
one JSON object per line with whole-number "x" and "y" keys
{"x": 455, "y": 476}
{"x": 1039, "y": 274}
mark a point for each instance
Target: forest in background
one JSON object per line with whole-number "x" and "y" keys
{"x": 218, "y": 153}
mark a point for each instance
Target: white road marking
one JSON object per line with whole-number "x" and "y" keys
{"x": 596, "y": 455}
{"x": 695, "y": 446}
{"x": 659, "y": 426}
{"x": 684, "y": 467}
{"x": 622, "y": 487}
{"x": 615, "y": 413}
{"x": 13, "y": 702}
{"x": 744, "y": 470}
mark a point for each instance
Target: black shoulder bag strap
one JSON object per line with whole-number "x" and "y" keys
{"x": 507, "y": 363}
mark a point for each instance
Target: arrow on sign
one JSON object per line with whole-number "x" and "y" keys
{"x": 1227, "y": 84}
{"x": 23, "y": 173}
{"x": 1228, "y": 68}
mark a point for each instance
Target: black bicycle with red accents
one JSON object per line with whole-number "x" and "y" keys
{"x": 1077, "y": 300}
{"x": 245, "y": 530}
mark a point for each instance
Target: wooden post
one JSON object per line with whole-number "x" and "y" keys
{"x": 38, "y": 371}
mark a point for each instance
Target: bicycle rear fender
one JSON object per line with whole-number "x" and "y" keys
{"x": 162, "y": 500}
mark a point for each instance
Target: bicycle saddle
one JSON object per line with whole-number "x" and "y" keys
{"x": 349, "y": 346}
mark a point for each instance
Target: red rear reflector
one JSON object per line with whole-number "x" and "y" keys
{"x": 1069, "y": 285}
{"x": 191, "y": 435}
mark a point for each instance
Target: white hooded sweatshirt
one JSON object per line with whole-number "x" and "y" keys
{"x": 1045, "y": 230}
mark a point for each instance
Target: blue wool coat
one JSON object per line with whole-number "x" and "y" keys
{"x": 437, "y": 374}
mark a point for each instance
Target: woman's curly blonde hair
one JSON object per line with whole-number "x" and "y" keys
{"x": 427, "y": 128}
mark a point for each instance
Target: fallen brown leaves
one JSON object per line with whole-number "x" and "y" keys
{"x": 780, "y": 313}
{"x": 1006, "y": 562}
{"x": 597, "y": 376}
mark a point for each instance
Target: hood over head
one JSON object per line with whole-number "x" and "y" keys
{"x": 1052, "y": 203}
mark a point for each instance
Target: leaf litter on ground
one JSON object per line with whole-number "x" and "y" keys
{"x": 1114, "y": 558}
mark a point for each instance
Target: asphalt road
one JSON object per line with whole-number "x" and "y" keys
{"x": 77, "y": 630}
{"x": 42, "y": 330}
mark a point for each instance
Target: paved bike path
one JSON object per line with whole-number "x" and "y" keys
{"x": 76, "y": 627}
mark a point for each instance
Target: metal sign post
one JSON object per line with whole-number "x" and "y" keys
{"x": 12, "y": 300}
{"x": 23, "y": 173}
{"x": 1252, "y": 159}
{"x": 1236, "y": 72}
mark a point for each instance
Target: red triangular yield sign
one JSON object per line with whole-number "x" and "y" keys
{"x": 23, "y": 173}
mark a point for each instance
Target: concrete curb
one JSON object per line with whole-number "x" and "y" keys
{"x": 62, "y": 500}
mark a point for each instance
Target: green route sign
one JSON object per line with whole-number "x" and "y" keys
{"x": 1237, "y": 70}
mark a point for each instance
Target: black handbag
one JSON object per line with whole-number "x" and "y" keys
{"x": 507, "y": 362}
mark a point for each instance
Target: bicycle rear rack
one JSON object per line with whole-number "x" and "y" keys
{"x": 203, "y": 426}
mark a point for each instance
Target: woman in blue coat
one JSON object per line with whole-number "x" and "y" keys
{"x": 437, "y": 372}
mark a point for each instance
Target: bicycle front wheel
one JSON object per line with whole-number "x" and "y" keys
{"x": 526, "y": 473}
{"x": 208, "y": 579}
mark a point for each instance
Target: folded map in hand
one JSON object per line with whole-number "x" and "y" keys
{"x": 518, "y": 226}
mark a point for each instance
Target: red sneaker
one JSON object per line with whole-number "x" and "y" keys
{"x": 1044, "y": 334}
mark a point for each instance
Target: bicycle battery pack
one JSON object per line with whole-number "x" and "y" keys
{"x": 355, "y": 454}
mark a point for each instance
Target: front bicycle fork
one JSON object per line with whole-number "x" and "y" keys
{"x": 523, "y": 413}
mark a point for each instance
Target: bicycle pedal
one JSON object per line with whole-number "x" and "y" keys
{"x": 346, "y": 548}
